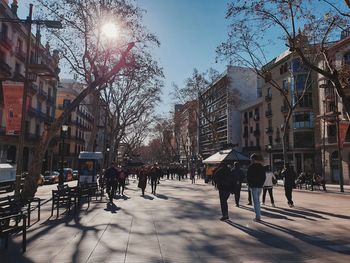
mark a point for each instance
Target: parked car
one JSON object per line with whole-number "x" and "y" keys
{"x": 75, "y": 174}
{"x": 68, "y": 174}
{"x": 51, "y": 177}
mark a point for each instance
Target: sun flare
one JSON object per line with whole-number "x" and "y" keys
{"x": 110, "y": 30}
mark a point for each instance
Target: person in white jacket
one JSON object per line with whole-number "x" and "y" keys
{"x": 268, "y": 186}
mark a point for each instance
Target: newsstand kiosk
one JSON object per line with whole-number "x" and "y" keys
{"x": 88, "y": 166}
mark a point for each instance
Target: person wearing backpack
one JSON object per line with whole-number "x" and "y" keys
{"x": 225, "y": 183}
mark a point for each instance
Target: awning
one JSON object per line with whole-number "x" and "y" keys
{"x": 226, "y": 156}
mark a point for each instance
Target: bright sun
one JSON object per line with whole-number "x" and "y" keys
{"x": 110, "y": 30}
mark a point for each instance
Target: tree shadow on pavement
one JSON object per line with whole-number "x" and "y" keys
{"x": 267, "y": 214}
{"x": 267, "y": 238}
{"x": 292, "y": 212}
{"x": 317, "y": 241}
{"x": 327, "y": 213}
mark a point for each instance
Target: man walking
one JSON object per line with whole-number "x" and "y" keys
{"x": 289, "y": 182}
{"x": 111, "y": 177}
{"x": 238, "y": 179}
{"x": 256, "y": 177}
{"x": 225, "y": 184}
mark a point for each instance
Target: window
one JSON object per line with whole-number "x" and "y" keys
{"x": 269, "y": 92}
{"x": 66, "y": 103}
{"x": 303, "y": 120}
{"x": 270, "y": 124}
{"x": 270, "y": 140}
{"x": 19, "y": 46}
{"x": 306, "y": 100}
{"x": 4, "y": 31}
{"x": 251, "y": 129}
{"x": 257, "y": 142}
{"x": 38, "y": 106}
{"x": 302, "y": 81}
{"x": 250, "y": 114}
{"x": 347, "y": 58}
{"x": 303, "y": 139}
{"x": 17, "y": 68}
{"x": 285, "y": 84}
{"x": 269, "y": 107}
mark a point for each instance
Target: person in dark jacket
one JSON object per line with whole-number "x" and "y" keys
{"x": 256, "y": 177}
{"x": 111, "y": 177}
{"x": 238, "y": 177}
{"x": 155, "y": 175}
{"x": 225, "y": 183}
{"x": 289, "y": 182}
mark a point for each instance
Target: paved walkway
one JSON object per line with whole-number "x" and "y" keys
{"x": 181, "y": 224}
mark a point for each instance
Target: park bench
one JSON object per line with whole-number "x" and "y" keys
{"x": 13, "y": 205}
{"x": 61, "y": 197}
{"x": 12, "y": 220}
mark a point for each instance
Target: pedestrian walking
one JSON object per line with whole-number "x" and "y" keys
{"x": 289, "y": 182}
{"x": 143, "y": 173}
{"x": 155, "y": 175}
{"x": 238, "y": 179}
{"x": 111, "y": 177}
{"x": 225, "y": 184}
{"x": 193, "y": 175}
{"x": 256, "y": 178}
{"x": 268, "y": 186}
{"x": 121, "y": 180}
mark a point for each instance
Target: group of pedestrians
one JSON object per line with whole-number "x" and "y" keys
{"x": 115, "y": 178}
{"x": 151, "y": 173}
{"x": 229, "y": 181}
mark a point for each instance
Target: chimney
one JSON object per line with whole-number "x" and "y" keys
{"x": 14, "y": 7}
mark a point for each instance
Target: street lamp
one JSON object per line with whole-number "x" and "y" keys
{"x": 107, "y": 157}
{"x": 64, "y": 130}
{"x": 269, "y": 150}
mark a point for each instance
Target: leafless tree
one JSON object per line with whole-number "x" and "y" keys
{"x": 94, "y": 59}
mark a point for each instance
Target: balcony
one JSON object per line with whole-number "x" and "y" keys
{"x": 256, "y": 117}
{"x": 251, "y": 149}
{"x": 268, "y": 113}
{"x": 19, "y": 53}
{"x": 5, "y": 69}
{"x": 2, "y": 131}
{"x": 269, "y": 130}
{"x": 284, "y": 109}
{"x": 256, "y": 132}
{"x": 32, "y": 88}
{"x": 42, "y": 95}
{"x": 332, "y": 139}
{"x": 5, "y": 41}
{"x": 268, "y": 97}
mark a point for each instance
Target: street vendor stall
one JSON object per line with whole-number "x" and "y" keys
{"x": 88, "y": 166}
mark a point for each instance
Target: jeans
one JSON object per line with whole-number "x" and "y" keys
{"x": 224, "y": 195}
{"x": 256, "y": 192}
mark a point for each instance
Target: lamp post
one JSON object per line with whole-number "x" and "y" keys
{"x": 269, "y": 150}
{"x": 64, "y": 130}
{"x": 107, "y": 157}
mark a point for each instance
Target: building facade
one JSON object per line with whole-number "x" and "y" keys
{"x": 333, "y": 120}
{"x": 220, "y": 118}
{"x": 185, "y": 120}
{"x": 41, "y": 88}
{"x": 291, "y": 77}
{"x": 79, "y": 125}
{"x": 252, "y": 129}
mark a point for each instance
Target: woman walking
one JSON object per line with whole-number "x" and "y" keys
{"x": 268, "y": 187}
{"x": 121, "y": 180}
{"x": 142, "y": 180}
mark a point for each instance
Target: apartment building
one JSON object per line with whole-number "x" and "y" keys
{"x": 220, "y": 118}
{"x": 252, "y": 124}
{"x": 79, "y": 125}
{"x": 186, "y": 128}
{"x": 333, "y": 117}
{"x": 291, "y": 76}
{"x": 41, "y": 88}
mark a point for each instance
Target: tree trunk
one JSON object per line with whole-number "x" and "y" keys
{"x": 285, "y": 143}
{"x": 96, "y": 114}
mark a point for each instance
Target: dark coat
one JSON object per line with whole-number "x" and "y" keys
{"x": 238, "y": 175}
{"x": 111, "y": 175}
{"x": 256, "y": 175}
{"x": 142, "y": 180}
{"x": 289, "y": 177}
{"x": 224, "y": 179}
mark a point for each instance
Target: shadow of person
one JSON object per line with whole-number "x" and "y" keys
{"x": 112, "y": 208}
{"x": 162, "y": 196}
{"x": 148, "y": 197}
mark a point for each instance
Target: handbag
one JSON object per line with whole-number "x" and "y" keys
{"x": 274, "y": 180}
